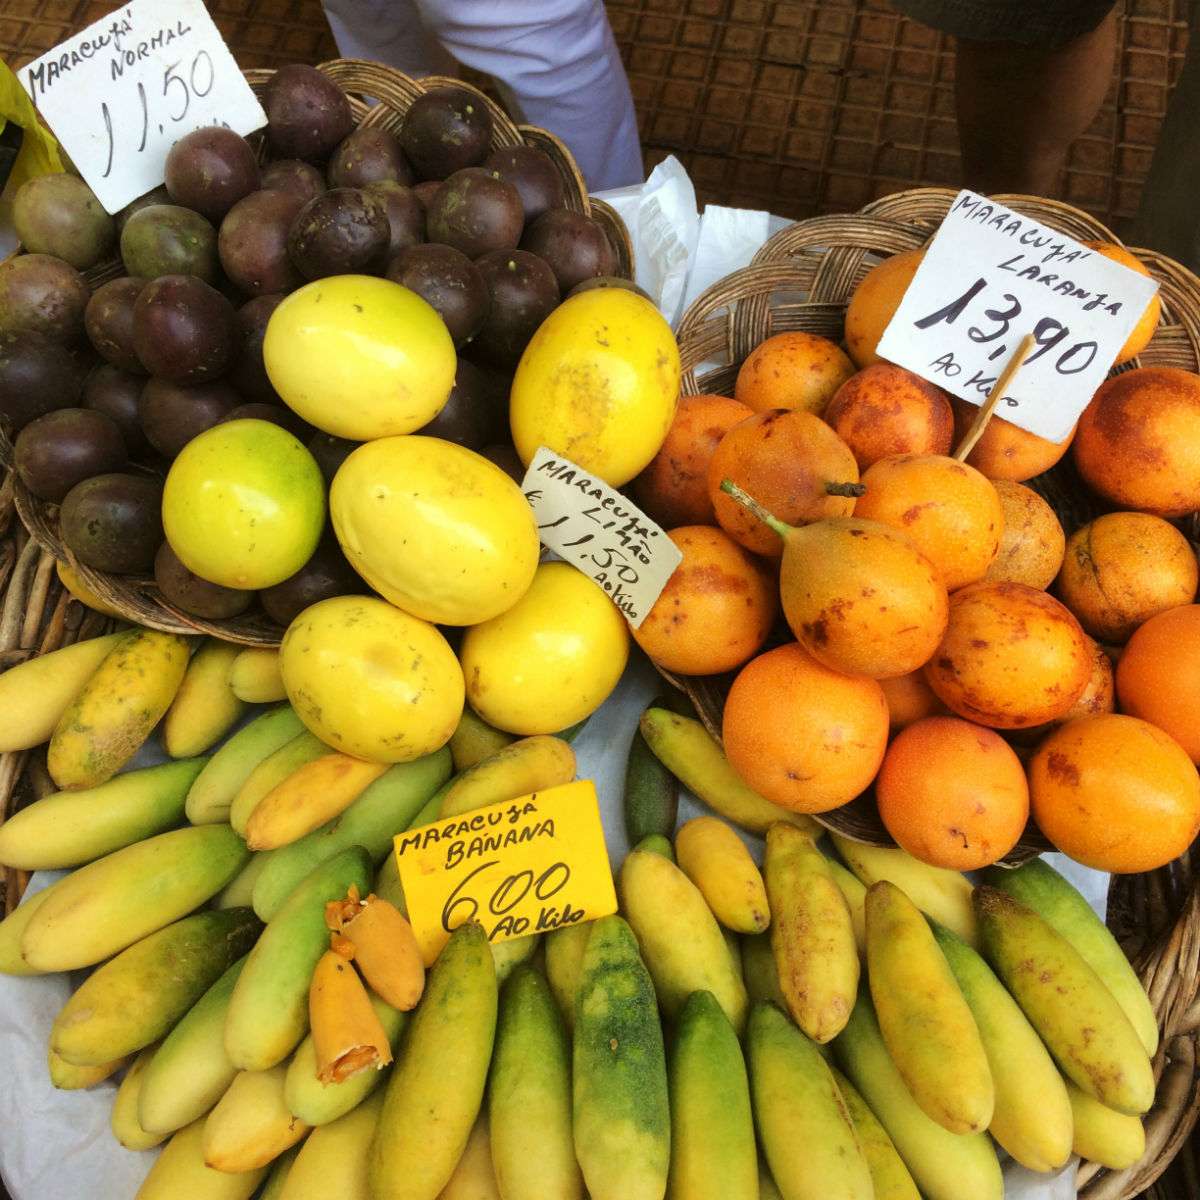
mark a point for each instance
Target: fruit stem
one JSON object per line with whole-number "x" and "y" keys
{"x": 846, "y": 489}
{"x": 749, "y": 503}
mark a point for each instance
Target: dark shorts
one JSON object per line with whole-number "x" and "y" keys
{"x": 1030, "y": 22}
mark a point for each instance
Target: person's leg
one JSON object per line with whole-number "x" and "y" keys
{"x": 1030, "y": 77}
{"x": 1168, "y": 218}
{"x": 1021, "y": 106}
{"x": 559, "y": 65}
{"x": 389, "y": 32}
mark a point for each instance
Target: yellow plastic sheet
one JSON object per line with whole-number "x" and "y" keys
{"x": 39, "y": 153}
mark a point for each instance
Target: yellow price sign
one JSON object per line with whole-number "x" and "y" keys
{"x": 526, "y": 866}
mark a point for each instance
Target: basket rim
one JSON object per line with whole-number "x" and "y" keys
{"x": 796, "y": 259}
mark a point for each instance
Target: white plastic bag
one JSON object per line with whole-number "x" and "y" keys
{"x": 663, "y": 225}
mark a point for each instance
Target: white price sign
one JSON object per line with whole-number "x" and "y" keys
{"x": 593, "y": 527}
{"x": 989, "y": 277}
{"x": 121, "y": 93}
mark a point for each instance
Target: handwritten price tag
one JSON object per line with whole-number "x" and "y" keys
{"x": 989, "y": 277}
{"x": 521, "y": 867}
{"x": 598, "y": 530}
{"x": 121, "y": 93}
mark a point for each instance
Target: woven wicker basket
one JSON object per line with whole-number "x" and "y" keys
{"x": 138, "y": 598}
{"x": 802, "y": 279}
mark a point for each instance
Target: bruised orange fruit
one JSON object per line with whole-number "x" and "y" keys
{"x": 805, "y": 737}
{"x": 1012, "y": 657}
{"x": 716, "y": 610}
{"x": 885, "y": 410}
{"x": 792, "y": 370}
{"x": 952, "y": 793}
{"x": 874, "y": 304}
{"x": 1138, "y": 441}
{"x": 1158, "y": 675}
{"x": 673, "y": 489}
{"x": 860, "y": 597}
{"x": 1123, "y": 568}
{"x": 1115, "y": 793}
{"x": 1143, "y": 331}
{"x": 1099, "y": 694}
{"x": 793, "y": 464}
{"x": 1033, "y": 542}
{"x": 910, "y": 698}
{"x": 1006, "y": 451}
{"x": 951, "y": 512}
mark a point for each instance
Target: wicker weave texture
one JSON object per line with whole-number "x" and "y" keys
{"x": 810, "y": 106}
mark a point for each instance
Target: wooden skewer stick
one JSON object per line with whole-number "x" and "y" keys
{"x": 994, "y": 396}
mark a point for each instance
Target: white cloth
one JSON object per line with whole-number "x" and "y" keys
{"x": 555, "y": 60}
{"x": 54, "y": 1145}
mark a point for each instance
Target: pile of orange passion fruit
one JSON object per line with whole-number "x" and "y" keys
{"x": 948, "y": 645}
